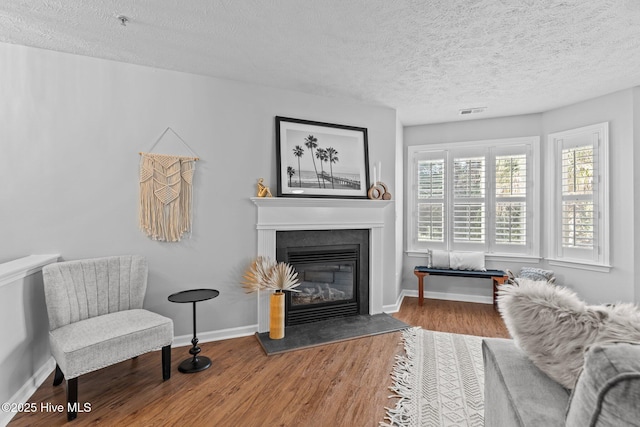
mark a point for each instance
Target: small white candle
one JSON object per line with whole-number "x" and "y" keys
{"x": 374, "y": 175}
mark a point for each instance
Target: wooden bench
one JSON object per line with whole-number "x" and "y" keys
{"x": 498, "y": 277}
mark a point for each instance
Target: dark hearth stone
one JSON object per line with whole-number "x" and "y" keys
{"x": 329, "y": 331}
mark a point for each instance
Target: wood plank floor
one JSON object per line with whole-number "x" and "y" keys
{"x": 342, "y": 384}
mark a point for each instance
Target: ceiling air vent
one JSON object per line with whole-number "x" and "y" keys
{"x": 468, "y": 111}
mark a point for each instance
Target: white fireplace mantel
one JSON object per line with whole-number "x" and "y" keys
{"x": 282, "y": 213}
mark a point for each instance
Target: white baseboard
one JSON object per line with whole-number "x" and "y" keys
{"x": 224, "y": 334}
{"x": 27, "y": 390}
{"x": 394, "y": 308}
{"x": 449, "y": 296}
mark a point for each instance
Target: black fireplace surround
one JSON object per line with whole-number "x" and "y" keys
{"x": 333, "y": 269}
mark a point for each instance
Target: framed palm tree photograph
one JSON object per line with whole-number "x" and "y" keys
{"x": 318, "y": 159}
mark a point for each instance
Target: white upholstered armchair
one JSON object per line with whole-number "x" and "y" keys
{"x": 96, "y": 318}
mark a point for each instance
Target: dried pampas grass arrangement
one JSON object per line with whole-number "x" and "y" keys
{"x": 266, "y": 274}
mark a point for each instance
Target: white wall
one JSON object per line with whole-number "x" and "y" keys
{"x": 25, "y": 358}
{"x": 399, "y": 205}
{"x": 616, "y": 108}
{"x": 71, "y": 131}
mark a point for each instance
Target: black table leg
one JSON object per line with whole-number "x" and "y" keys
{"x": 195, "y": 364}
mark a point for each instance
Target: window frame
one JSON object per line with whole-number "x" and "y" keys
{"x": 435, "y": 156}
{"x": 511, "y": 150}
{"x": 530, "y": 145}
{"x": 455, "y": 199}
{"x": 597, "y": 258}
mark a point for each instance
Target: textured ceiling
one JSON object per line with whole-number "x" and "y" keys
{"x": 427, "y": 59}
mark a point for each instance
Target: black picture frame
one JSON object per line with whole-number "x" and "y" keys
{"x": 342, "y": 171}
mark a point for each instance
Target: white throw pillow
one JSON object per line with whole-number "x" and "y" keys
{"x": 439, "y": 259}
{"x": 555, "y": 328}
{"x": 467, "y": 261}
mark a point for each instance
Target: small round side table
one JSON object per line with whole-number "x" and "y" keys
{"x": 197, "y": 363}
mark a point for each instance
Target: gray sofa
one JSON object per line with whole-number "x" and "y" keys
{"x": 517, "y": 393}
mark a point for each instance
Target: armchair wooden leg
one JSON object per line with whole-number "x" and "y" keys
{"x": 166, "y": 362}
{"x": 72, "y": 399}
{"x": 58, "y": 376}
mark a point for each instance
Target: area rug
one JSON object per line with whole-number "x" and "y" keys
{"x": 330, "y": 331}
{"x": 439, "y": 382}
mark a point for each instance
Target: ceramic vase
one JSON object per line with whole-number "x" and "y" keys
{"x": 276, "y": 316}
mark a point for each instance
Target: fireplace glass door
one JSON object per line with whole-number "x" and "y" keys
{"x": 328, "y": 282}
{"x": 324, "y": 283}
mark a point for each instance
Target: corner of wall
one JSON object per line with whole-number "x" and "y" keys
{"x": 399, "y": 205}
{"x": 636, "y": 191}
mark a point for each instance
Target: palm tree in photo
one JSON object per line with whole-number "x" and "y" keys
{"x": 332, "y": 155}
{"x": 322, "y": 155}
{"x": 312, "y": 142}
{"x": 290, "y": 171}
{"x": 298, "y": 151}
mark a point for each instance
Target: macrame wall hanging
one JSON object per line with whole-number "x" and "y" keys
{"x": 166, "y": 193}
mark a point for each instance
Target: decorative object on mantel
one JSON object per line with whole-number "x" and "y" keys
{"x": 317, "y": 159}
{"x": 378, "y": 191}
{"x": 263, "y": 190}
{"x": 166, "y": 193}
{"x": 266, "y": 274}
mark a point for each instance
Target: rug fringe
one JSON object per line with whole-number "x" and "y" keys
{"x": 404, "y": 383}
{"x": 438, "y": 381}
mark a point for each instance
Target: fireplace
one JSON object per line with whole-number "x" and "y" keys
{"x": 275, "y": 214}
{"x": 333, "y": 269}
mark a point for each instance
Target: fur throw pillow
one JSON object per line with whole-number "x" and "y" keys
{"x": 555, "y": 328}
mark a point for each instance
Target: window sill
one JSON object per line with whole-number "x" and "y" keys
{"x": 579, "y": 264}
{"x": 417, "y": 254}
{"x": 529, "y": 259}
